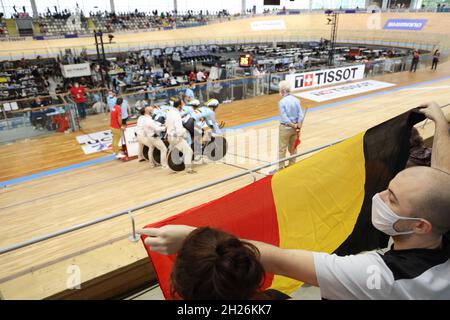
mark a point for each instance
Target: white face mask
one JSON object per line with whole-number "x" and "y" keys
{"x": 383, "y": 218}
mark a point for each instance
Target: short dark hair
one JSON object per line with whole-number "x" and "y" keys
{"x": 119, "y": 101}
{"x": 216, "y": 265}
{"x": 142, "y": 111}
{"x": 176, "y": 103}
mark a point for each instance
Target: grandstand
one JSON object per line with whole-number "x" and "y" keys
{"x": 51, "y": 186}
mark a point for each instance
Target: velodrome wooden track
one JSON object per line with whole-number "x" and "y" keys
{"x": 48, "y": 204}
{"x": 352, "y": 27}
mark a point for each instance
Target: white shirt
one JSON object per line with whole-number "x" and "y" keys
{"x": 200, "y": 76}
{"x": 174, "y": 124}
{"x": 148, "y": 127}
{"x": 394, "y": 275}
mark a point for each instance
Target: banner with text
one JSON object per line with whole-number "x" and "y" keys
{"x": 102, "y": 141}
{"x": 345, "y": 90}
{"x": 319, "y": 78}
{"x": 76, "y": 70}
{"x": 268, "y": 25}
{"x": 405, "y": 24}
{"x": 95, "y": 142}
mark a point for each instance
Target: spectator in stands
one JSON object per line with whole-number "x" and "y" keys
{"x": 192, "y": 76}
{"x": 413, "y": 211}
{"x": 38, "y": 117}
{"x": 215, "y": 265}
{"x": 290, "y": 123}
{"x": 415, "y": 60}
{"x": 99, "y": 106}
{"x": 116, "y": 126}
{"x": 78, "y": 95}
{"x": 201, "y": 76}
{"x": 436, "y": 56}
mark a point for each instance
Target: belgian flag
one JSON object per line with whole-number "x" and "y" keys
{"x": 322, "y": 203}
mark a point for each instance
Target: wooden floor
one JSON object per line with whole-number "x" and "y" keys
{"x": 48, "y": 204}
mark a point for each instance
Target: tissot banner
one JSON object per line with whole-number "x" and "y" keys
{"x": 308, "y": 80}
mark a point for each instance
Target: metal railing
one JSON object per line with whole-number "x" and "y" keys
{"x": 133, "y": 236}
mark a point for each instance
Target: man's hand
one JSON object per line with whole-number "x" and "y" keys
{"x": 167, "y": 239}
{"x": 433, "y": 112}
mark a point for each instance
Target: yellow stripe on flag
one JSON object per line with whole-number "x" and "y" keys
{"x": 318, "y": 201}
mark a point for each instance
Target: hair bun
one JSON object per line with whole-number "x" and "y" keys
{"x": 228, "y": 246}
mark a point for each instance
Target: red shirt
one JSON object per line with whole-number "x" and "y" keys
{"x": 115, "y": 113}
{"x": 78, "y": 94}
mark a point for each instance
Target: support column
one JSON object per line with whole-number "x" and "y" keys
{"x": 112, "y": 5}
{"x": 243, "y": 7}
{"x": 175, "y": 6}
{"x": 34, "y": 8}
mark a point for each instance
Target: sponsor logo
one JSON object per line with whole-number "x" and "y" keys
{"x": 405, "y": 24}
{"x": 331, "y": 93}
{"x": 324, "y": 77}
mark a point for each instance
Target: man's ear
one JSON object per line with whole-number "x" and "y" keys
{"x": 422, "y": 227}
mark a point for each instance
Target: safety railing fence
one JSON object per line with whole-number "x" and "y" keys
{"x": 20, "y": 119}
{"x": 130, "y": 211}
{"x": 426, "y": 41}
{"x": 26, "y": 123}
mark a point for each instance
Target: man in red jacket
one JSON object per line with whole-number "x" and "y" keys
{"x": 78, "y": 93}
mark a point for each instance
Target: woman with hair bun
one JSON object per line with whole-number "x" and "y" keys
{"x": 215, "y": 265}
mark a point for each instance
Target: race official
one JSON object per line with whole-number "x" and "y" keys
{"x": 291, "y": 120}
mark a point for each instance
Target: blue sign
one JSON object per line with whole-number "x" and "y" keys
{"x": 405, "y": 24}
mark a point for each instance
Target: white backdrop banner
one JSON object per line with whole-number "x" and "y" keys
{"x": 345, "y": 90}
{"x": 102, "y": 141}
{"x": 76, "y": 70}
{"x": 319, "y": 78}
{"x": 96, "y": 142}
{"x": 131, "y": 141}
{"x": 268, "y": 25}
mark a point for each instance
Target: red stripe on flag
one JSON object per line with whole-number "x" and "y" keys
{"x": 248, "y": 213}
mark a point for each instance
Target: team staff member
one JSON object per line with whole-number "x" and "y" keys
{"x": 148, "y": 133}
{"x": 177, "y": 134}
{"x": 291, "y": 121}
{"x": 125, "y": 111}
{"x": 78, "y": 95}
{"x": 111, "y": 100}
{"x": 436, "y": 56}
{"x": 415, "y": 60}
{"x": 189, "y": 93}
{"x": 116, "y": 125}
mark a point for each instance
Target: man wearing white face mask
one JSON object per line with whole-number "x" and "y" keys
{"x": 414, "y": 210}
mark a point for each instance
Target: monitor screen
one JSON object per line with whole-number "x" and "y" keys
{"x": 271, "y": 2}
{"x": 245, "y": 60}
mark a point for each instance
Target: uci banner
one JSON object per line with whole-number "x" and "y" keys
{"x": 308, "y": 80}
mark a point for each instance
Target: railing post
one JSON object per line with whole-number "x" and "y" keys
{"x": 134, "y": 237}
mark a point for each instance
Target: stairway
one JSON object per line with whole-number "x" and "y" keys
{"x": 12, "y": 27}
{"x": 91, "y": 25}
